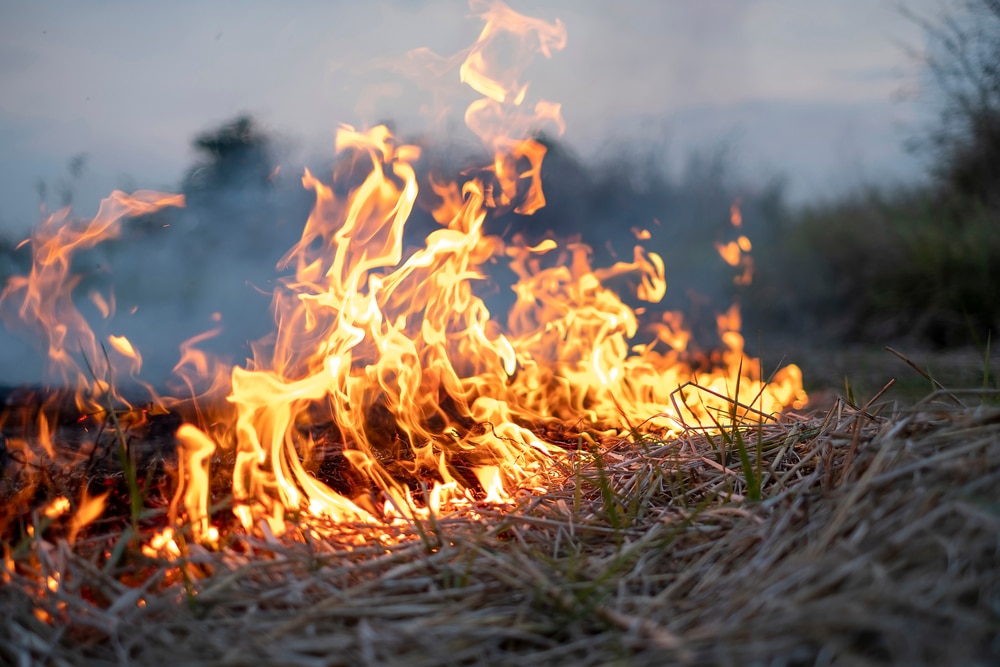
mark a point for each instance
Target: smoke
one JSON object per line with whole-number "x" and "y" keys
{"x": 181, "y": 272}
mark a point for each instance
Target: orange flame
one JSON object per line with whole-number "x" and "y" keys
{"x": 420, "y": 391}
{"x": 736, "y": 253}
{"x": 194, "y": 449}
{"x": 90, "y": 509}
{"x": 46, "y": 294}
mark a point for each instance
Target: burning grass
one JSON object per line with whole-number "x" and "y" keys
{"x": 385, "y": 360}
{"x": 874, "y": 541}
{"x": 400, "y": 475}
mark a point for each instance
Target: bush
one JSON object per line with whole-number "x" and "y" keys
{"x": 879, "y": 266}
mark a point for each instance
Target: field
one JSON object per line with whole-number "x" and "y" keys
{"x": 867, "y": 534}
{"x": 860, "y": 529}
{"x": 863, "y": 529}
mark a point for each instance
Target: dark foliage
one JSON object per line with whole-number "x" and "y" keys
{"x": 963, "y": 71}
{"x": 235, "y": 155}
{"x": 882, "y": 266}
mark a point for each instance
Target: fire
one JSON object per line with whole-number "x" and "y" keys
{"x": 431, "y": 400}
{"x": 89, "y": 509}
{"x": 736, "y": 253}
{"x": 194, "y": 450}
{"x": 45, "y": 297}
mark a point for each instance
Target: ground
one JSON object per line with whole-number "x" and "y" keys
{"x": 860, "y": 534}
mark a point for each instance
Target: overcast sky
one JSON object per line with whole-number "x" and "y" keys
{"x": 803, "y": 87}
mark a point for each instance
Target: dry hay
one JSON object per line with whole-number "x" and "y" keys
{"x": 875, "y": 541}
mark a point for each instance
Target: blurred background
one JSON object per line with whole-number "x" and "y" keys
{"x": 859, "y": 139}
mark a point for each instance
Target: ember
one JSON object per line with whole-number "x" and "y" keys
{"x": 389, "y": 391}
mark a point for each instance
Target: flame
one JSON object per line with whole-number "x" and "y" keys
{"x": 500, "y": 118}
{"x": 162, "y": 543}
{"x": 736, "y": 253}
{"x": 45, "y": 295}
{"x": 56, "y": 508}
{"x": 89, "y": 509}
{"x": 194, "y": 449}
{"x": 427, "y": 399}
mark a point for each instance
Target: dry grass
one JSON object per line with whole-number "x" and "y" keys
{"x": 875, "y": 541}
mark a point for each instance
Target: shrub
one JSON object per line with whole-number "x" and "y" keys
{"x": 883, "y": 265}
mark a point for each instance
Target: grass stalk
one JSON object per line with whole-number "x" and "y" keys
{"x": 125, "y": 458}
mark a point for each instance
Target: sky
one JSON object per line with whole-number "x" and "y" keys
{"x": 805, "y": 88}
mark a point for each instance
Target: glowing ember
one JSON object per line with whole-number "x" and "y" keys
{"x": 432, "y": 402}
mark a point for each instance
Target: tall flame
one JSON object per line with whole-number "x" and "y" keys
{"x": 419, "y": 390}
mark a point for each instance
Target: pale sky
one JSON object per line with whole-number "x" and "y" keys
{"x": 803, "y": 87}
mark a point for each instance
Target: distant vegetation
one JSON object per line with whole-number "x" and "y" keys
{"x": 910, "y": 264}
{"x": 920, "y": 263}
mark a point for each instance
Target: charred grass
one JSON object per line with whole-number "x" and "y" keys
{"x": 867, "y": 534}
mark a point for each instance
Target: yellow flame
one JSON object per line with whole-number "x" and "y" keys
{"x": 56, "y": 508}
{"x": 194, "y": 450}
{"x": 385, "y": 355}
{"x": 90, "y": 509}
